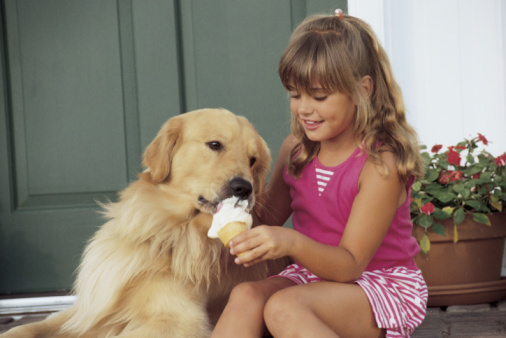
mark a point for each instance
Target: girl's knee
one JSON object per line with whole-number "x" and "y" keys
{"x": 247, "y": 292}
{"x": 282, "y": 311}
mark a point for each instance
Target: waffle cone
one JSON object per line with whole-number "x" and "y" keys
{"x": 230, "y": 230}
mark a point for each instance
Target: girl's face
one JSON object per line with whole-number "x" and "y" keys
{"x": 325, "y": 117}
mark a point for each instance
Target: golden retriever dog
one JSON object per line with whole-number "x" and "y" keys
{"x": 151, "y": 271}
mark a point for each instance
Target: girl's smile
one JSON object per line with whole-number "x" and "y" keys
{"x": 312, "y": 125}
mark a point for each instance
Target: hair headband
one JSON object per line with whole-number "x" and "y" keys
{"x": 338, "y": 12}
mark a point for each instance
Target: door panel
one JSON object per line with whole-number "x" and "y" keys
{"x": 71, "y": 130}
{"x": 69, "y": 100}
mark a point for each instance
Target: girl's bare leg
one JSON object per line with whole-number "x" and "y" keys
{"x": 243, "y": 315}
{"x": 323, "y": 309}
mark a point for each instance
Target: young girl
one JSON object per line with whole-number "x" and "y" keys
{"x": 345, "y": 173}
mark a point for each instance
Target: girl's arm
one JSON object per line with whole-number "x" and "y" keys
{"x": 371, "y": 215}
{"x": 275, "y": 208}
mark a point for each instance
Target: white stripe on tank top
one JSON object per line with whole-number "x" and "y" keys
{"x": 322, "y": 178}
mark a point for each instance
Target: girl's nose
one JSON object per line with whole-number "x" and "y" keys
{"x": 304, "y": 107}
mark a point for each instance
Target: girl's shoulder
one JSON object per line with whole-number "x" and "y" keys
{"x": 384, "y": 163}
{"x": 286, "y": 147}
{"x": 288, "y": 143}
{"x": 387, "y": 156}
{"x": 283, "y": 156}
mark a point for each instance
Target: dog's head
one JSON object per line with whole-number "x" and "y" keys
{"x": 208, "y": 155}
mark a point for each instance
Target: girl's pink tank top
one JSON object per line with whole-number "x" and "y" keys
{"x": 323, "y": 218}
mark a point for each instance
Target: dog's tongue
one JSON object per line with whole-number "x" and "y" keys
{"x": 219, "y": 206}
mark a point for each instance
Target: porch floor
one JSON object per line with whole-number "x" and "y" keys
{"x": 483, "y": 320}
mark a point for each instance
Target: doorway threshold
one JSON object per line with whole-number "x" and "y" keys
{"x": 35, "y": 304}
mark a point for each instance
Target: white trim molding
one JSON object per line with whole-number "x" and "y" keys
{"x": 35, "y": 304}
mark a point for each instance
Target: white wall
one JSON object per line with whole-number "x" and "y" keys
{"x": 449, "y": 57}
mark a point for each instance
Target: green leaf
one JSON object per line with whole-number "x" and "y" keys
{"x": 481, "y": 218}
{"x": 497, "y": 206}
{"x": 441, "y": 214}
{"x": 476, "y": 205}
{"x": 426, "y": 157}
{"x": 469, "y": 185}
{"x": 416, "y": 186}
{"x": 431, "y": 188}
{"x": 470, "y": 158}
{"x": 416, "y": 203}
{"x": 425, "y": 243}
{"x": 439, "y": 229}
{"x": 426, "y": 199}
{"x": 431, "y": 175}
{"x": 472, "y": 170}
{"x": 448, "y": 210}
{"x": 425, "y": 220}
{"x": 444, "y": 196}
{"x": 459, "y": 188}
{"x": 443, "y": 164}
{"x": 484, "y": 177}
{"x": 458, "y": 215}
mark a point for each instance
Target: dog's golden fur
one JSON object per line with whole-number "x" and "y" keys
{"x": 151, "y": 270}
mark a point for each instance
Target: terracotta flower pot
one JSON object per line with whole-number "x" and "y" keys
{"x": 468, "y": 272}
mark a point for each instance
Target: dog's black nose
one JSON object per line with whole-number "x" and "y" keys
{"x": 240, "y": 187}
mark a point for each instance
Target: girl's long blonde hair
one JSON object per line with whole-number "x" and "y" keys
{"x": 336, "y": 53}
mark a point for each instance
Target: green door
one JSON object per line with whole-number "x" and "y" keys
{"x": 84, "y": 87}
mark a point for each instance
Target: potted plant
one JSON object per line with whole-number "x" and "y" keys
{"x": 458, "y": 201}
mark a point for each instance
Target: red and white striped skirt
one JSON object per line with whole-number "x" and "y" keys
{"x": 398, "y": 296}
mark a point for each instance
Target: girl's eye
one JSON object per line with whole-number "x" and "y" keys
{"x": 215, "y": 145}
{"x": 294, "y": 94}
{"x": 320, "y": 98}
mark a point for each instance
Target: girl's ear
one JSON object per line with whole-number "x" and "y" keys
{"x": 368, "y": 84}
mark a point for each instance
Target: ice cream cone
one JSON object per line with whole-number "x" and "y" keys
{"x": 230, "y": 230}
{"x": 230, "y": 219}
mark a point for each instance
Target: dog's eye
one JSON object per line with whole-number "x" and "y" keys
{"x": 252, "y": 161}
{"x": 215, "y": 145}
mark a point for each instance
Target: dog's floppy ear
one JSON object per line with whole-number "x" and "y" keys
{"x": 158, "y": 155}
{"x": 264, "y": 167}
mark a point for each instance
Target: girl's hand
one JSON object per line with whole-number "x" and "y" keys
{"x": 262, "y": 243}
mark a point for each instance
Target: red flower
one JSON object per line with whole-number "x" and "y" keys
{"x": 476, "y": 176}
{"x": 427, "y": 208}
{"x": 500, "y": 160}
{"x": 460, "y": 147}
{"x": 444, "y": 177}
{"x": 453, "y": 157}
{"x": 436, "y": 148}
{"x": 456, "y": 175}
{"x": 482, "y": 139}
